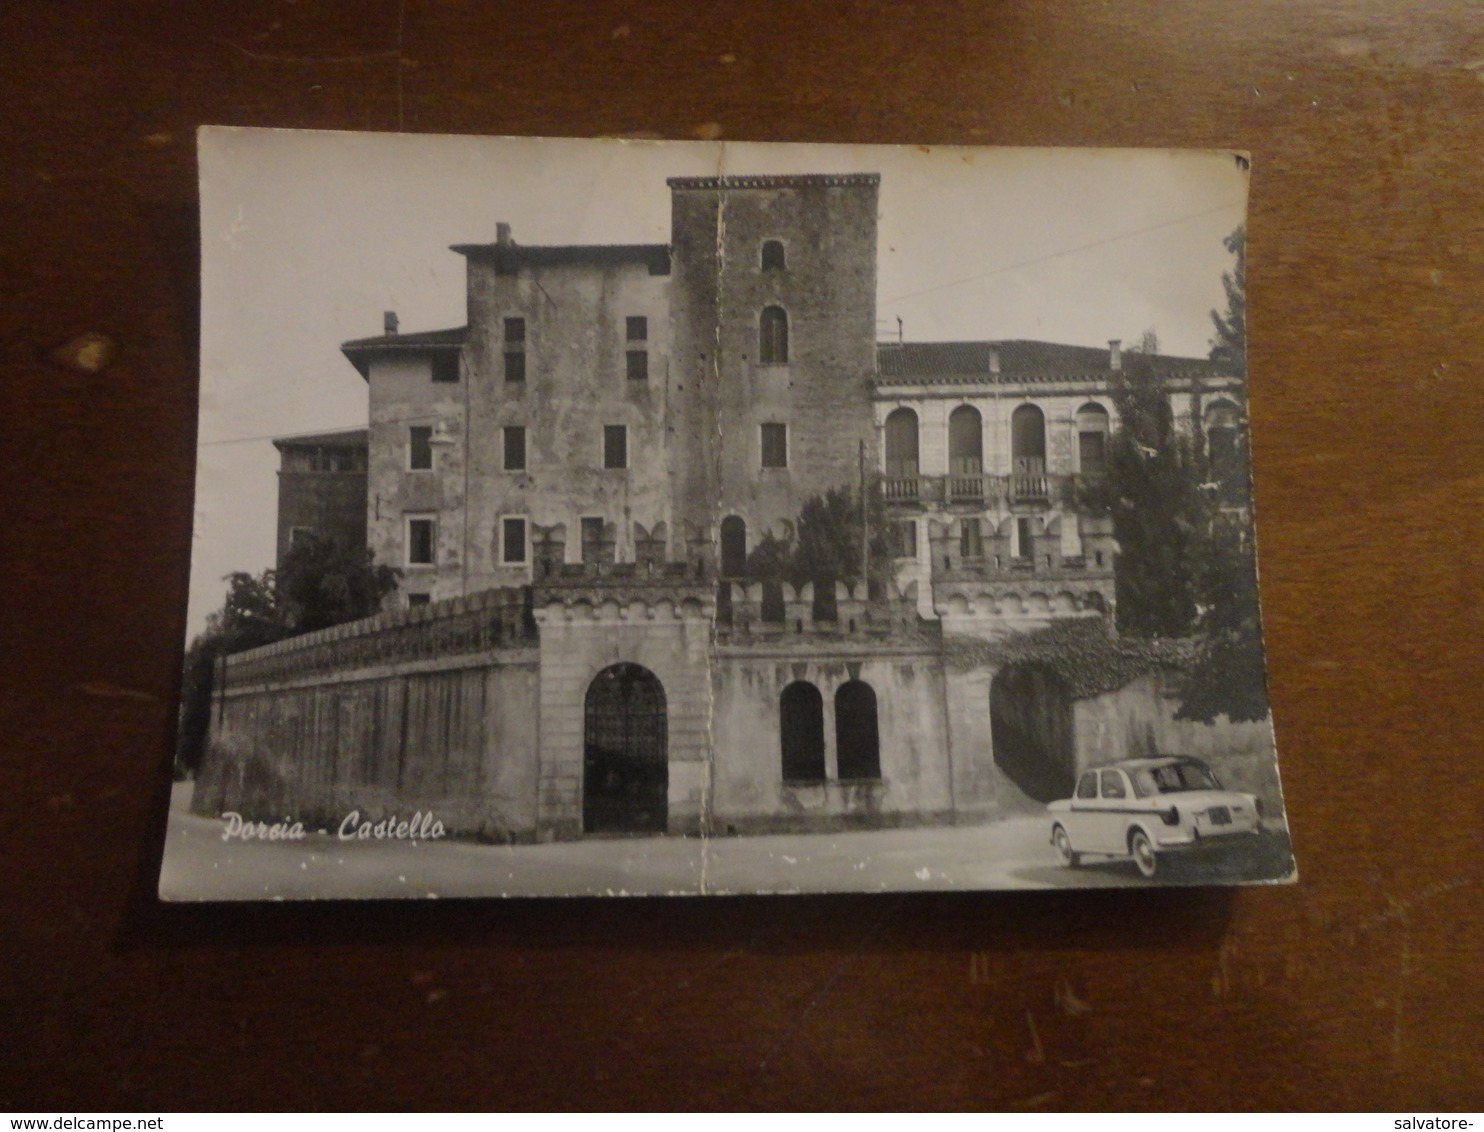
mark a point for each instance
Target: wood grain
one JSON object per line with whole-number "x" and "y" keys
{"x": 1359, "y": 987}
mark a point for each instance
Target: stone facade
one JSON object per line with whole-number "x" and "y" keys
{"x": 561, "y": 479}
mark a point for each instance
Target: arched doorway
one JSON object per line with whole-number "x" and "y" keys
{"x": 901, "y": 444}
{"x": 625, "y": 765}
{"x": 1028, "y": 440}
{"x": 965, "y": 441}
{"x": 1030, "y": 719}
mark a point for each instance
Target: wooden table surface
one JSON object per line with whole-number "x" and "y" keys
{"x": 1359, "y": 987}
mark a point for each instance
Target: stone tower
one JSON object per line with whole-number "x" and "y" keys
{"x": 773, "y": 305}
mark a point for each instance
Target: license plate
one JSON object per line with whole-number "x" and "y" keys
{"x": 1219, "y": 815}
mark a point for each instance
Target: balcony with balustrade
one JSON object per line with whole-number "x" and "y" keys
{"x": 1029, "y": 483}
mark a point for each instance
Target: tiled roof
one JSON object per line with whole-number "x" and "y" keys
{"x": 1019, "y": 359}
{"x": 780, "y": 181}
{"x": 511, "y": 257}
{"x": 454, "y": 336}
{"x": 360, "y": 350}
{"x": 347, "y": 438}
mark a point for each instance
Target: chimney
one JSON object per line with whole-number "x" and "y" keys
{"x": 1115, "y": 353}
{"x": 994, "y": 359}
{"x": 502, "y": 234}
{"x": 389, "y": 322}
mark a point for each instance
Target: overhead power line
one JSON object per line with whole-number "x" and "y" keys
{"x": 1066, "y": 252}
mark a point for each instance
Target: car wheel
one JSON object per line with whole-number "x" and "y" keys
{"x": 1142, "y": 851}
{"x": 1070, "y": 858}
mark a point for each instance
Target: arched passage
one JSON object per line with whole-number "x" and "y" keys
{"x": 801, "y": 732}
{"x": 625, "y": 765}
{"x": 857, "y": 740}
{"x": 1030, "y": 719}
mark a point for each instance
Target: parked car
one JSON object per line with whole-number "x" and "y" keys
{"x": 1141, "y": 808}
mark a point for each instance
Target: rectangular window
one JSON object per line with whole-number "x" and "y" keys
{"x": 775, "y": 445}
{"x": 592, "y": 540}
{"x": 513, "y": 542}
{"x": 445, "y": 368}
{"x": 1024, "y": 542}
{"x": 421, "y": 534}
{"x": 615, "y": 446}
{"x": 638, "y": 365}
{"x": 515, "y": 366}
{"x": 515, "y": 448}
{"x": 970, "y": 539}
{"x": 515, "y": 349}
{"x": 418, "y": 599}
{"x": 420, "y": 449}
{"x": 636, "y": 328}
{"x": 328, "y": 460}
{"x": 299, "y": 535}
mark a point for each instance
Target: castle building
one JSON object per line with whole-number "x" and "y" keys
{"x": 572, "y": 484}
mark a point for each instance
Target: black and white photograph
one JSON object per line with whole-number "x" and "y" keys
{"x": 621, "y": 517}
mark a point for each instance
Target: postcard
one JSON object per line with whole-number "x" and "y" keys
{"x": 635, "y": 518}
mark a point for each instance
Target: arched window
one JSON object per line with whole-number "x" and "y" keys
{"x": 801, "y": 732}
{"x": 1222, "y": 422}
{"x": 1028, "y": 440}
{"x": 772, "y": 337}
{"x": 733, "y": 547}
{"x": 965, "y": 441}
{"x": 901, "y": 444}
{"x": 857, "y": 743}
{"x": 1092, "y": 439}
{"x": 773, "y": 256}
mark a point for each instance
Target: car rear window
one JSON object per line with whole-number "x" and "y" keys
{"x": 1174, "y": 778}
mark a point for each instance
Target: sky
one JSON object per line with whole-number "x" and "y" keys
{"x": 308, "y": 236}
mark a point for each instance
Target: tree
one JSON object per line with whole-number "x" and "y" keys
{"x": 319, "y": 585}
{"x": 1229, "y": 676}
{"x": 1161, "y": 518}
{"x": 823, "y": 545}
{"x": 322, "y": 584}
{"x": 1186, "y": 565}
{"x": 1230, "y": 344}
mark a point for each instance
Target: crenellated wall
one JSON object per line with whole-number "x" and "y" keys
{"x": 475, "y": 709}
{"x": 432, "y": 709}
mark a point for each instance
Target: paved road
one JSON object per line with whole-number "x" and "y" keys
{"x": 1008, "y": 854}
